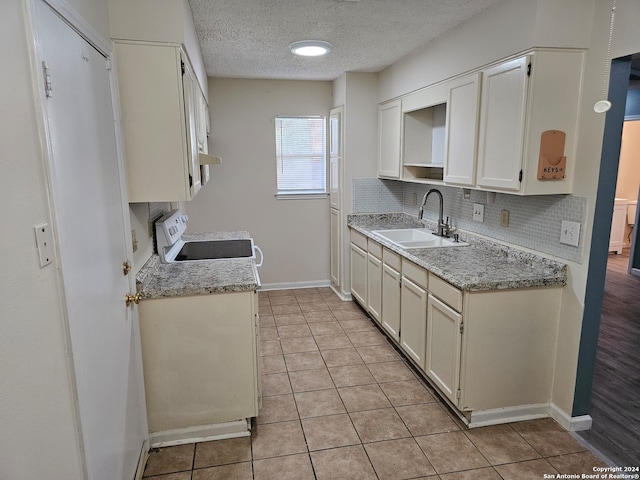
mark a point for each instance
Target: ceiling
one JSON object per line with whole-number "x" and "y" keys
{"x": 251, "y": 38}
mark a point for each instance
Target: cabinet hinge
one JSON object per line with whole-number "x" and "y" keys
{"x": 529, "y": 70}
{"x": 46, "y": 73}
{"x": 190, "y": 180}
{"x": 458, "y": 394}
{"x": 520, "y": 176}
{"x": 182, "y": 67}
{"x": 461, "y": 327}
{"x": 108, "y": 64}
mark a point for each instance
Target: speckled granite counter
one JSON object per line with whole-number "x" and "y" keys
{"x": 156, "y": 279}
{"x": 480, "y": 266}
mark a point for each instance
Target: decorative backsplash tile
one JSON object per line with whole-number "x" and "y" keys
{"x": 534, "y": 221}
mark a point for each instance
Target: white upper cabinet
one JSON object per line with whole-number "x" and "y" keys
{"x": 462, "y": 130}
{"x": 389, "y": 124}
{"x": 526, "y": 102}
{"x": 158, "y": 107}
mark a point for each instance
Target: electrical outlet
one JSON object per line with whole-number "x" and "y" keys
{"x": 478, "y": 212}
{"x": 570, "y": 233}
{"x": 504, "y": 218}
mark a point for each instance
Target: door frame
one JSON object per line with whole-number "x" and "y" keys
{"x": 104, "y": 46}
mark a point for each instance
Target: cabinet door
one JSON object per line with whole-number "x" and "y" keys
{"x": 443, "y": 347}
{"x": 413, "y": 320}
{"x": 391, "y": 301}
{"x": 374, "y": 287}
{"x": 336, "y": 247}
{"x": 191, "y": 92}
{"x": 502, "y": 118}
{"x": 358, "y": 265}
{"x": 462, "y": 130}
{"x": 389, "y": 118}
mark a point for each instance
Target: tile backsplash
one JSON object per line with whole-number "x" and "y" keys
{"x": 534, "y": 221}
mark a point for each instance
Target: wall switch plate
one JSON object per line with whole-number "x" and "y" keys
{"x": 570, "y": 233}
{"x": 44, "y": 242}
{"x": 504, "y": 218}
{"x": 478, "y": 212}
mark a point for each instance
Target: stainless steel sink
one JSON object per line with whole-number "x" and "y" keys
{"x": 417, "y": 238}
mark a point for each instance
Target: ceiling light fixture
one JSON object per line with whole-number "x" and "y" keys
{"x": 310, "y": 48}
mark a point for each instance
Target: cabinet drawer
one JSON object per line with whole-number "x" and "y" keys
{"x": 445, "y": 292}
{"x": 391, "y": 258}
{"x": 359, "y": 239}
{"x": 374, "y": 248}
{"x": 414, "y": 273}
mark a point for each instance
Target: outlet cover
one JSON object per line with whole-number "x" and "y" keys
{"x": 44, "y": 242}
{"x": 504, "y": 218}
{"x": 478, "y": 212}
{"x": 570, "y": 233}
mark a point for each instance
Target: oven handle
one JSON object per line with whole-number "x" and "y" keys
{"x": 257, "y": 249}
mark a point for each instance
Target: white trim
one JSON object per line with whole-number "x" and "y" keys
{"x": 345, "y": 297}
{"x": 295, "y": 285}
{"x": 142, "y": 460}
{"x": 84, "y": 28}
{"x": 202, "y": 433}
{"x": 508, "y": 415}
{"x": 572, "y": 424}
{"x": 301, "y": 196}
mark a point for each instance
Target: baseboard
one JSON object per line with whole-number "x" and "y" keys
{"x": 295, "y": 285}
{"x": 142, "y": 460}
{"x": 572, "y": 424}
{"x": 507, "y": 415}
{"x": 345, "y": 297}
{"x": 203, "y": 433}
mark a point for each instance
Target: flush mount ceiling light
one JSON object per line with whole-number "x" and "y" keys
{"x": 310, "y": 48}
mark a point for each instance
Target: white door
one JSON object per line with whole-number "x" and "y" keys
{"x": 90, "y": 224}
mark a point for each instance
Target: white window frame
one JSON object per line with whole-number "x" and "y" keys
{"x": 293, "y": 194}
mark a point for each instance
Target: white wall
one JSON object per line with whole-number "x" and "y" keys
{"x": 294, "y": 234}
{"x": 38, "y": 436}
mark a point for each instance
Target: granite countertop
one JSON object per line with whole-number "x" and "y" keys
{"x": 156, "y": 279}
{"x": 480, "y": 266}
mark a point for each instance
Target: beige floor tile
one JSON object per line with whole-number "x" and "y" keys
{"x": 342, "y": 357}
{"x": 279, "y": 293}
{"x": 290, "y": 331}
{"x": 426, "y": 419}
{"x": 270, "y": 347}
{"x": 363, "y": 397}
{"x": 269, "y": 333}
{"x": 501, "y": 444}
{"x": 351, "y": 375}
{"x": 267, "y": 320}
{"x": 352, "y": 325}
{"x": 547, "y": 437}
{"x": 529, "y": 470}
{"x": 308, "y": 380}
{"x": 343, "y": 463}
{"x": 286, "y": 309}
{"x": 283, "y": 300}
{"x": 277, "y": 439}
{"x": 298, "y": 344}
{"x": 351, "y": 314}
{"x": 378, "y": 353}
{"x": 366, "y": 338}
{"x": 290, "y": 467}
{"x": 451, "y": 452}
{"x": 265, "y": 310}
{"x": 279, "y": 408}
{"x": 310, "y": 298}
{"x": 407, "y": 392}
{"x": 480, "y": 474}
{"x": 398, "y": 459}
{"x": 326, "y": 328}
{"x": 272, "y": 364}
{"x": 304, "y": 361}
{"x": 337, "y": 304}
{"x": 576, "y": 463}
{"x": 330, "y": 431}
{"x": 319, "y": 403}
{"x": 222, "y": 452}
{"x": 173, "y": 476}
{"x": 391, "y": 371}
{"x": 235, "y": 471}
{"x": 289, "y": 319}
{"x": 275, "y": 384}
{"x": 333, "y": 342}
{"x": 378, "y": 425}
{"x": 170, "y": 460}
{"x": 314, "y": 307}
{"x": 319, "y": 317}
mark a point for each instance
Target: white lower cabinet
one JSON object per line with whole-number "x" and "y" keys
{"x": 358, "y": 268}
{"x": 444, "y": 334}
{"x": 374, "y": 287}
{"x": 413, "y": 320}
{"x": 391, "y": 301}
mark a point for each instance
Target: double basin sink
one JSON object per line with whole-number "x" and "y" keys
{"x": 417, "y": 238}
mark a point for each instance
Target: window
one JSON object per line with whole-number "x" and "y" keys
{"x": 300, "y": 155}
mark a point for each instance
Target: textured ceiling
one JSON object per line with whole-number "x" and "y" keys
{"x": 250, "y": 38}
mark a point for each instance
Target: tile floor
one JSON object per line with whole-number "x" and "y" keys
{"x": 339, "y": 402}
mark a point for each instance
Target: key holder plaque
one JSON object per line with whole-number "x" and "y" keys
{"x": 552, "y": 163}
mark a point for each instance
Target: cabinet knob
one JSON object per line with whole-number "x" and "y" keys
{"x": 126, "y": 268}
{"x": 129, "y": 299}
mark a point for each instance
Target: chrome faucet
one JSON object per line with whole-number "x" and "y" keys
{"x": 443, "y": 228}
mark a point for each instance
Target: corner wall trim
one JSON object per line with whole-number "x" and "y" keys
{"x": 572, "y": 424}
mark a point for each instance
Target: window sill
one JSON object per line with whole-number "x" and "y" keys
{"x": 301, "y": 196}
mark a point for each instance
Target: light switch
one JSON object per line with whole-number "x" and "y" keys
{"x": 570, "y": 233}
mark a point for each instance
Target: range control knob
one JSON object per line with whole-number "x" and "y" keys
{"x": 173, "y": 230}
{"x": 184, "y": 218}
